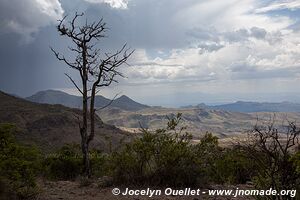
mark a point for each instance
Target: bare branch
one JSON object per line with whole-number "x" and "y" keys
{"x": 62, "y": 58}
{"x": 111, "y": 101}
{"x": 74, "y": 83}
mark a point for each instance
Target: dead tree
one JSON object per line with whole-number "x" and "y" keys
{"x": 96, "y": 70}
{"x": 270, "y": 148}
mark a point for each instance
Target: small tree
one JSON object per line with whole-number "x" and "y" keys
{"x": 95, "y": 71}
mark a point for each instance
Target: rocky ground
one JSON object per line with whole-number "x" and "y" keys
{"x": 72, "y": 190}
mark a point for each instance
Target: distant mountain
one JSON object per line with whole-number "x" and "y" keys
{"x": 58, "y": 97}
{"x": 242, "y": 106}
{"x": 51, "y": 126}
{"x": 128, "y": 104}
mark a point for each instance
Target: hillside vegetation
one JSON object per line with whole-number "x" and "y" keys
{"x": 51, "y": 126}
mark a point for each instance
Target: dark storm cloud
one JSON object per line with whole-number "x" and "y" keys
{"x": 28, "y": 29}
{"x": 146, "y": 24}
{"x": 27, "y": 68}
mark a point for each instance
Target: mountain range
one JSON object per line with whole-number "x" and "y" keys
{"x": 127, "y": 104}
{"x": 72, "y": 101}
{"x": 248, "y": 107}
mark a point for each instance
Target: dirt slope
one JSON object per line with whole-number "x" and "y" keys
{"x": 51, "y": 126}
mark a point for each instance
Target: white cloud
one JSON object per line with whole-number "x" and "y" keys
{"x": 51, "y": 8}
{"x": 27, "y": 16}
{"x": 227, "y": 40}
{"x": 118, "y": 4}
{"x": 280, "y": 5}
{"x": 229, "y": 15}
{"x": 254, "y": 58}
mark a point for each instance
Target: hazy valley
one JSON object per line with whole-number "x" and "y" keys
{"x": 130, "y": 115}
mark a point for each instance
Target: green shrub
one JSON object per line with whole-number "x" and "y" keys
{"x": 163, "y": 157}
{"x": 221, "y": 165}
{"x": 233, "y": 167}
{"x": 100, "y": 163}
{"x": 133, "y": 163}
{"x": 207, "y": 153}
{"x": 296, "y": 161}
{"x": 65, "y": 164}
{"x": 19, "y": 164}
{"x": 167, "y": 157}
{"x": 175, "y": 160}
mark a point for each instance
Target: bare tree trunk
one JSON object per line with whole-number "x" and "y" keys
{"x": 86, "y": 159}
{"x": 95, "y": 72}
{"x": 84, "y": 140}
{"x": 92, "y": 109}
{"x": 92, "y": 117}
{"x": 84, "y": 137}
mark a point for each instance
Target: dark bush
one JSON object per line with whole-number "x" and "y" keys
{"x": 295, "y": 159}
{"x": 233, "y": 167}
{"x": 19, "y": 165}
{"x": 271, "y": 149}
{"x": 65, "y": 164}
{"x": 208, "y": 153}
{"x": 101, "y": 163}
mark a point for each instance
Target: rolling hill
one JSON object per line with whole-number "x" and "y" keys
{"x": 51, "y": 126}
{"x": 72, "y": 101}
{"x": 247, "y": 107}
{"x": 197, "y": 120}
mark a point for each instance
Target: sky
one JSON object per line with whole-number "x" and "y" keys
{"x": 186, "y": 51}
